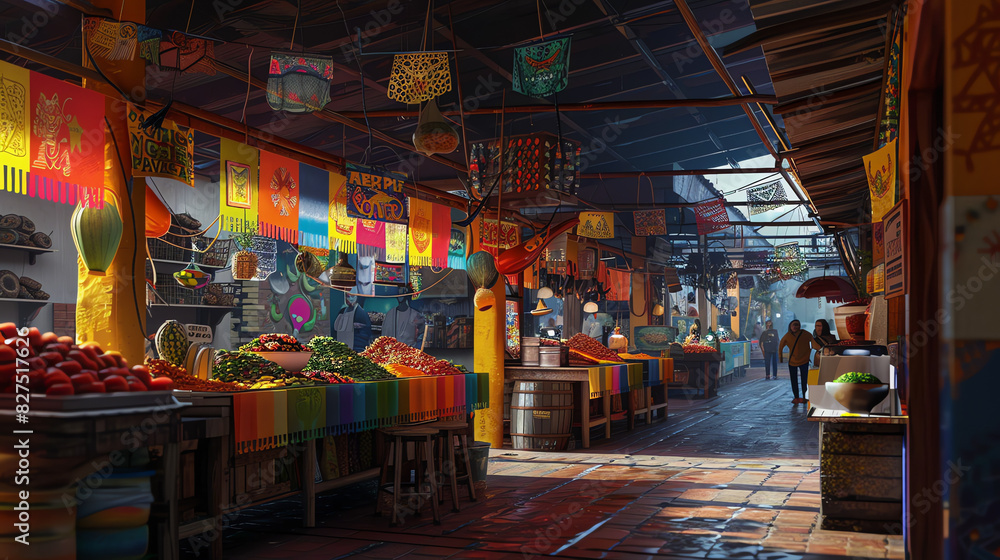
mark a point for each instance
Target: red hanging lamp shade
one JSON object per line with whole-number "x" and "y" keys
{"x": 835, "y": 289}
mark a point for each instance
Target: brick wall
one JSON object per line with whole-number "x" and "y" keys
{"x": 64, "y": 319}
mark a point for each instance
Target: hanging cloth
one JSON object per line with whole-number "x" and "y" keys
{"x": 342, "y": 228}
{"x": 456, "y": 249}
{"x": 187, "y": 54}
{"x": 278, "y": 203}
{"x": 110, "y": 39}
{"x": 149, "y": 43}
{"x": 395, "y": 243}
{"x": 619, "y": 283}
{"x": 419, "y": 77}
{"x": 238, "y": 165}
{"x": 430, "y": 232}
{"x": 314, "y": 207}
{"x": 541, "y": 69}
{"x": 298, "y": 83}
{"x": 371, "y": 238}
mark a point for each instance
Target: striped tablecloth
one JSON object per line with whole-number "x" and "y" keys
{"x": 656, "y": 371}
{"x": 274, "y": 417}
{"x": 614, "y": 379}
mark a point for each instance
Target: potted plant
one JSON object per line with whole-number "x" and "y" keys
{"x": 858, "y": 392}
{"x": 244, "y": 265}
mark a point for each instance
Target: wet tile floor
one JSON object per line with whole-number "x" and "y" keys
{"x": 735, "y": 476}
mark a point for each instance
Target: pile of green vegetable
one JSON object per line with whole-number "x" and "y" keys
{"x": 243, "y": 367}
{"x": 335, "y": 357}
{"x": 857, "y": 377}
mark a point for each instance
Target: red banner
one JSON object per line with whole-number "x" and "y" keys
{"x": 711, "y": 216}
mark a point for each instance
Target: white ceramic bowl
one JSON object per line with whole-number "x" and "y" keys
{"x": 289, "y": 361}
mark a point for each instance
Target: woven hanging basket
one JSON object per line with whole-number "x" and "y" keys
{"x": 244, "y": 265}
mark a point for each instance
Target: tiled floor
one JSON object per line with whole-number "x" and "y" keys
{"x": 735, "y": 476}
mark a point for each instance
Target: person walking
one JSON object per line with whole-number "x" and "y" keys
{"x": 768, "y": 344}
{"x": 800, "y": 345}
{"x": 824, "y": 337}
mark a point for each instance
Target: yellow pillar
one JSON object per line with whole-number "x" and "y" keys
{"x": 491, "y": 332}
{"x": 111, "y": 309}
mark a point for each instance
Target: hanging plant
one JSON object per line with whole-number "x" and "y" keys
{"x": 244, "y": 265}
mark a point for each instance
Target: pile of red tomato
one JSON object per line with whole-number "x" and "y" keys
{"x": 56, "y": 365}
{"x": 698, "y": 349}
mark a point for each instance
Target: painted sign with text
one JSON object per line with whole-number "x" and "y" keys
{"x": 894, "y": 232}
{"x": 376, "y": 194}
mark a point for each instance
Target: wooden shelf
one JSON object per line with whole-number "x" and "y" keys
{"x": 32, "y": 251}
{"x": 26, "y": 308}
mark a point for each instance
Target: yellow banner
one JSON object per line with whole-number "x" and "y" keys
{"x": 343, "y": 228}
{"x": 421, "y": 232}
{"x": 880, "y": 167}
{"x": 596, "y": 225}
{"x": 238, "y": 168}
{"x": 15, "y": 116}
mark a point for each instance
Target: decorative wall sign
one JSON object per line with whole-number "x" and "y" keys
{"x": 596, "y": 225}
{"x": 238, "y": 185}
{"x": 395, "y": 243}
{"x": 375, "y": 194}
{"x": 541, "y": 69}
{"x": 650, "y": 222}
{"x": 503, "y": 235}
{"x": 165, "y": 151}
{"x": 298, "y": 83}
{"x": 762, "y": 197}
{"x": 110, "y": 39}
{"x": 894, "y": 224}
{"x": 711, "y": 216}
{"x": 199, "y": 333}
{"x": 418, "y": 77}
{"x": 430, "y": 233}
{"x": 878, "y": 243}
{"x": 389, "y": 273}
{"x": 880, "y": 166}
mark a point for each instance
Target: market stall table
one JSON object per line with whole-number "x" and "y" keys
{"x": 592, "y": 382}
{"x": 66, "y": 445}
{"x": 703, "y": 371}
{"x": 861, "y": 470}
{"x": 656, "y": 374}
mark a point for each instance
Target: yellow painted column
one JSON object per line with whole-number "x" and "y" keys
{"x": 491, "y": 332}
{"x": 111, "y": 309}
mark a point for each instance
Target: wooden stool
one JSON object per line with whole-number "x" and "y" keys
{"x": 449, "y": 429}
{"x": 423, "y": 438}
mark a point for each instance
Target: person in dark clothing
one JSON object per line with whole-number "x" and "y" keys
{"x": 768, "y": 344}
{"x": 824, "y": 337}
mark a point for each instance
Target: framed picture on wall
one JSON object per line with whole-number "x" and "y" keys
{"x": 239, "y": 192}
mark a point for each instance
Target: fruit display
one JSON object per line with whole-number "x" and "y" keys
{"x": 172, "y": 342}
{"x": 587, "y": 349}
{"x": 699, "y": 349}
{"x": 858, "y": 377}
{"x": 274, "y": 342}
{"x": 549, "y": 342}
{"x": 160, "y": 369}
{"x": 387, "y": 350}
{"x": 56, "y": 365}
{"x": 332, "y": 356}
{"x": 328, "y": 377}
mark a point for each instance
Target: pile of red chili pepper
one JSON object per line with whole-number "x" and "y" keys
{"x": 699, "y": 349}
{"x": 327, "y": 376}
{"x": 387, "y": 350}
{"x": 187, "y": 382}
{"x": 584, "y": 346}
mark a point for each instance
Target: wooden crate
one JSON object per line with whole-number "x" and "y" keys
{"x": 861, "y": 477}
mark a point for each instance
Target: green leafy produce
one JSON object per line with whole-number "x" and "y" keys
{"x": 857, "y": 377}
{"x": 335, "y": 357}
{"x": 243, "y": 367}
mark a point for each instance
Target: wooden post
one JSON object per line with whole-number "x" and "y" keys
{"x": 110, "y": 309}
{"x": 491, "y": 329}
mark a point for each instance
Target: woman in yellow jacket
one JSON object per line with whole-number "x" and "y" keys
{"x": 800, "y": 345}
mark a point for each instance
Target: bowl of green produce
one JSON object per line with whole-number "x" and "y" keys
{"x": 858, "y": 392}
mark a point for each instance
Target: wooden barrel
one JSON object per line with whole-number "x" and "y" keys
{"x": 508, "y": 390}
{"x": 541, "y": 415}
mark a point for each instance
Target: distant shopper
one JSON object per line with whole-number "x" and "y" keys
{"x": 757, "y": 330}
{"x": 800, "y": 345}
{"x": 824, "y": 337}
{"x": 768, "y": 344}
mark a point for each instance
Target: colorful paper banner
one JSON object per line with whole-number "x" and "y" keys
{"x": 456, "y": 249}
{"x": 371, "y": 239}
{"x": 650, "y": 222}
{"x": 238, "y": 167}
{"x": 596, "y": 225}
{"x": 375, "y": 194}
{"x": 165, "y": 151}
{"x": 430, "y": 233}
{"x": 314, "y": 207}
{"x": 418, "y": 77}
{"x": 395, "y": 243}
{"x": 502, "y": 235}
{"x": 542, "y": 69}
{"x": 711, "y": 216}
{"x": 880, "y": 167}
{"x": 342, "y": 228}
{"x": 278, "y": 203}
{"x": 763, "y": 197}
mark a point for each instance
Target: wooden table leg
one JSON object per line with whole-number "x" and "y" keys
{"x": 584, "y": 400}
{"x": 607, "y": 416}
{"x": 647, "y": 393}
{"x": 630, "y": 411}
{"x": 169, "y": 543}
{"x": 307, "y": 467}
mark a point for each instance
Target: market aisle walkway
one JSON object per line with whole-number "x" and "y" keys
{"x": 736, "y": 476}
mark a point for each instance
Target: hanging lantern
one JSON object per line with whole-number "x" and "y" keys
{"x": 484, "y": 299}
{"x": 541, "y": 309}
{"x": 192, "y": 277}
{"x": 545, "y": 292}
{"x": 658, "y": 310}
{"x": 342, "y": 275}
{"x": 618, "y": 341}
{"x": 96, "y": 234}
{"x": 434, "y": 134}
{"x": 482, "y": 269}
{"x": 590, "y": 307}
